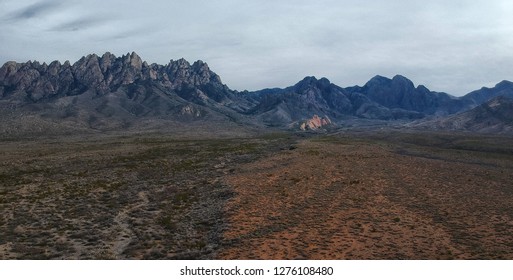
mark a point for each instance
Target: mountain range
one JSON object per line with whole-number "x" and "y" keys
{"x": 108, "y": 93}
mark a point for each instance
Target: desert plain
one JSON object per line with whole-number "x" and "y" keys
{"x": 347, "y": 194}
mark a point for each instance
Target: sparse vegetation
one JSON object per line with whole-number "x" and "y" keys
{"x": 118, "y": 196}
{"x": 375, "y": 195}
{"x": 360, "y": 195}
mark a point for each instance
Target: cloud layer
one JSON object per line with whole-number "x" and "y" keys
{"x": 452, "y": 46}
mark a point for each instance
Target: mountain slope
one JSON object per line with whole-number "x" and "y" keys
{"x": 477, "y": 97}
{"x": 494, "y": 116}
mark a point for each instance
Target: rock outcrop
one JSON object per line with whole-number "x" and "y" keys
{"x": 315, "y": 123}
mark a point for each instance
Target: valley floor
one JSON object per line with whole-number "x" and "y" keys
{"x": 347, "y": 195}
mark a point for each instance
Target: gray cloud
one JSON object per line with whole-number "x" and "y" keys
{"x": 78, "y": 24}
{"x": 453, "y": 46}
{"x": 35, "y": 10}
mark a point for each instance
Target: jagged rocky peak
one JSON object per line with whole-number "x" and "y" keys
{"x": 102, "y": 74}
{"x": 87, "y": 60}
{"x": 130, "y": 60}
{"x": 135, "y": 60}
{"x": 54, "y": 68}
{"x": 205, "y": 74}
{"x": 8, "y": 69}
{"x": 106, "y": 61}
{"x": 196, "y": 74}
{"x": 182, "y": 63}
{"x": 201, "y": 67}
{"x": 87, "y": 70}
{"x": 110, "y": 64}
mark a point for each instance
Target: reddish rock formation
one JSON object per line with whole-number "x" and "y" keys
{"x": 315, "y": 123}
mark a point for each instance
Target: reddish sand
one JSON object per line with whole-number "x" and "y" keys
{"x": 364, "y": 201}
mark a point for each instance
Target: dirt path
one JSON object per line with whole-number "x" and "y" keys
{"x": 122, "y": 229}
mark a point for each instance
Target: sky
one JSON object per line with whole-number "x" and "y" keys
{"x": 449, "y": 46}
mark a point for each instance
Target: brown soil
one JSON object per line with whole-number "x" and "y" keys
{"x": 348, "y": 198}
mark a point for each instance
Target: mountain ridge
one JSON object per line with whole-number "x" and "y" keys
{"x": 494, "y": 116}
{"x": 109, "y": 92}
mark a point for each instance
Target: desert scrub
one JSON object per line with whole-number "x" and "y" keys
{"x": 167, "y": 222}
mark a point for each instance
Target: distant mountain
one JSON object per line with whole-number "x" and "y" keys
{"x": 108, "y": 93}
{"x": 504, "y": 88}
{"x": 381, "y": 98}
{"x": 320, "y": 97}
{"x": 494, "y": 116}
{"x": 400, "y": 93}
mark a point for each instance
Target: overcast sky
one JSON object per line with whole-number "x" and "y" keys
{"x": 452, "y": 46}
